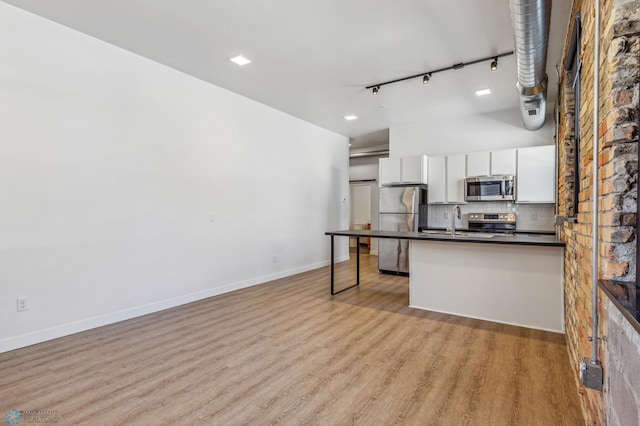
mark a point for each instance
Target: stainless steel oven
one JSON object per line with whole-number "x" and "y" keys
{"x": 490, "y": 188}
{"x": 501, "y": 223}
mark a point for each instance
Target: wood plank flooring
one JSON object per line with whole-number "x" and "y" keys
{"x": 287, "y": 352}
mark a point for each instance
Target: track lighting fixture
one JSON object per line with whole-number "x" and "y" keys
{"x": 426, "y": 76}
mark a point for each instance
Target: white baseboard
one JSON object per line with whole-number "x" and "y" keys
{"x": 517, "y": 324}
{"x": 39, "y": 336}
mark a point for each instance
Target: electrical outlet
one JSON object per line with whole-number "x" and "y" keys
{"x": 212, "y": 218}
{"x": 534, "y": 216}
{"x": 275, "y": 258}
{"x": 23, "y": 304}
{"x": 446, "y": 215}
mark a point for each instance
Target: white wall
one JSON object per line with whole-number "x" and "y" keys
{"x": 497, "y": 130}
{"x": 128, "y": 187}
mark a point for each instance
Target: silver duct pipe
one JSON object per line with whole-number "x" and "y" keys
{"x": 530, "y": 19}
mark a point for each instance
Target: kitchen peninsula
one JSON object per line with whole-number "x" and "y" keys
{"x": 512, "y": 279}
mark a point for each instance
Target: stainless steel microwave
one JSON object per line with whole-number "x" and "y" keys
{"x": 490, "y": 188}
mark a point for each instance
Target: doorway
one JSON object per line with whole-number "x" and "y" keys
{"x": 360, "y": 195}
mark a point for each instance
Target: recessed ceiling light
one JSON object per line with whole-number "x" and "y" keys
{"x": 483, "y": 92}
{"x": 240, "y": 60}
{"x": 350, "y": 117}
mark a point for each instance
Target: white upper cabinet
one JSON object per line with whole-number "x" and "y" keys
{"x": 437, "y": 180}
{"x": 503, "y": 162}
{"x": 534, "y": 167}
{"x": 478, "y": 163}
{"x": 456, "y": 172}
{"x": 536, "y": 175}
{"x": 405, "y": 170}
{"x": 389, "y": 171}
{"x": 486, "y": 163}
{"x": 414, "y": 169}
{"x": 446, "y": 179}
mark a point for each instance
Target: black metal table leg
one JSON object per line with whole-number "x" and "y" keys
{"x": 357, "y": 260}
{"x": 333, "y": 266}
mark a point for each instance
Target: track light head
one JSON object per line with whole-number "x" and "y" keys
{"x": 375, "y": 90}
{"x": 494, "y": 64}
{"x": 426, "y": 78}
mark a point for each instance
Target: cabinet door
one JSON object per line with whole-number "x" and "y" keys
{"x": 437, "y": 179}
{"x": 389, "y": 171}
{"x": 536, "y": 177}
{"x": 478, "y": 163}
{"x": 414, "y": 169}
{"x": 456, "y": 171}
{"x": 503, "y": 162}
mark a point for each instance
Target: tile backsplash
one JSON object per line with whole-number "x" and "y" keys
{"x": 530, "y": 217}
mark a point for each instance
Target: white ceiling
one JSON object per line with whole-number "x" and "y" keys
{"x": 313, "y": 59}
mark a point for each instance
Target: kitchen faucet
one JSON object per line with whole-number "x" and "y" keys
{"x": 456, "y": 212}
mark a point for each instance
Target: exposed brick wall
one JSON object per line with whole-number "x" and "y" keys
{"x": 567, "y": 180}
{"x": 617, "y": 175}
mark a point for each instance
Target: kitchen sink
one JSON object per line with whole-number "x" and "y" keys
{"x": 458, "y": 234}
{"x": 475, "y": 234}
{"x": 435, "y": 231}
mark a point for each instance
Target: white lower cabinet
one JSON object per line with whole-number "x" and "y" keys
{"x": 509, "y": 284}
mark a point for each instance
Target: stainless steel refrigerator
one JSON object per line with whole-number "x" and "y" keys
{"x": 401, "y": 208}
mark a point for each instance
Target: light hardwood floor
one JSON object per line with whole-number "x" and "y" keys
{"x": 287, "y": 352}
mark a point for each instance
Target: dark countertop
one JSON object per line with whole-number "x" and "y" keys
{"x": 534, "y": 231}
{"x": 626, "y": 297}
{"x": 516, "y": 239}
{"x": 518, "y": 231}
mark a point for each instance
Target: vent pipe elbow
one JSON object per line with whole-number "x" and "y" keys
{"x": 530, "y": 19}
{"x": 533, "y": 105}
